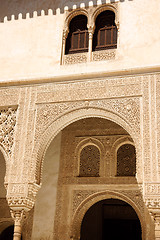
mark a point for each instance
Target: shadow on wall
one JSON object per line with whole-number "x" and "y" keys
{"x": 24, "y": 9}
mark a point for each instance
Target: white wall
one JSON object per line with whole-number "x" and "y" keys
{"x": 31, "y": 47}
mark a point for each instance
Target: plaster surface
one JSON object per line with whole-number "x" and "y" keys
{"x": 44, "y": 213}
{"x": 33, "y": 44}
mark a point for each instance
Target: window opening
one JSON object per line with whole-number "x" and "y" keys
{"x": 105, "y": 36}
{"x": 126, "y": 160}
{"x": 77, "y": 40}
{"x": 89, "y": 161}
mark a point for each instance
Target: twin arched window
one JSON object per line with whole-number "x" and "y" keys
{"x": 105, "y": 34}
{"x": 90, "y": 161}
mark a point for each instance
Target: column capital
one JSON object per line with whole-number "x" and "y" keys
{"x": 91, "y": 29}
{"x": 65, "y": 33}
{"x": 18, "y": 215}
{"x": 118, "y": 25}
{"x": 153, "y": 205}
{"x": 22, "y": 196}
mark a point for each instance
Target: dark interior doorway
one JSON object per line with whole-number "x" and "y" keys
{"x": 111, "y": 219}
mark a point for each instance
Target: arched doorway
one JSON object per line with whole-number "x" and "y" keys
{"x": 111, "y": 219}
{"x": 91, "y": 138}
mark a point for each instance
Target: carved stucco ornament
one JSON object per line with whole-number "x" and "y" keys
{"x": 81, "y": 195}
{"x": 127, "y": 108}
{"x": 7, "y": 128}
{"x": 84, "y": 199}
{"x": 49, "y": 114}
{"x": 22, "y": 196}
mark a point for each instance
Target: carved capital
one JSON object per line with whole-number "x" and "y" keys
{"x": 18, "y": 215}
{"x": 22, "y": 195}
{"x": 156, "y": 218}
{"x": 90, "y": 31}
{"x": 157, "y": 221}
{"x": 118, "y": 25}
{"x": 65, "y": 34}
{"x": 153, "y": 204}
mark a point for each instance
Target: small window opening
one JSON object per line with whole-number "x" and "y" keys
{"x": 77, "y": 40}
{"x": 89, "y": 161}
{"x": 126, "y": 160}
{"x": 105, "y": 36}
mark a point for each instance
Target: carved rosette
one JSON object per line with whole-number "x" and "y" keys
{"x": 7, "y": 128}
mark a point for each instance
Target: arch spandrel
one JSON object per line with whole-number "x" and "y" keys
{"x": 66, "y": 119}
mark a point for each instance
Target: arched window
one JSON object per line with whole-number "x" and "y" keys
{"x": 77, "y": 40}
{"x": 105, "y": 36}
{"x": 89, "y": 161}
{"x": 126, "y": 160}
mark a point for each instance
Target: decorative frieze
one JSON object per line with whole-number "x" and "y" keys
{"x": 75, "y": 58}
{"x": 152, "y": 189}
{"x": 152, "y": 197}
{"x": 103, "y": 55}
{"x": 152, "y": 202}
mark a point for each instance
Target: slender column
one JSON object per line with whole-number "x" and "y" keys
{"x": 18, "y": 217}
{"x": 65, "y": 34}
{"x": 90, "y": 32}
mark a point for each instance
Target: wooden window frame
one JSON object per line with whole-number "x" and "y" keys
{"x": 97, "y": 38}
{"x": 71, "y": 36}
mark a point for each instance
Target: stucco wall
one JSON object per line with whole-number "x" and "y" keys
{"x": 43, "y": 221}
{"x": 31, "y": 47}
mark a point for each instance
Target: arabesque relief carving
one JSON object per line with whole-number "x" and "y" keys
{"x": 7, "y": 127}
{"x": 127, "y": 108}
{"x": 75, "y": 58}
{"x": 104, "y": 55}
{"x": 21, "y": 195}
{"x": 80, "y": 195}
